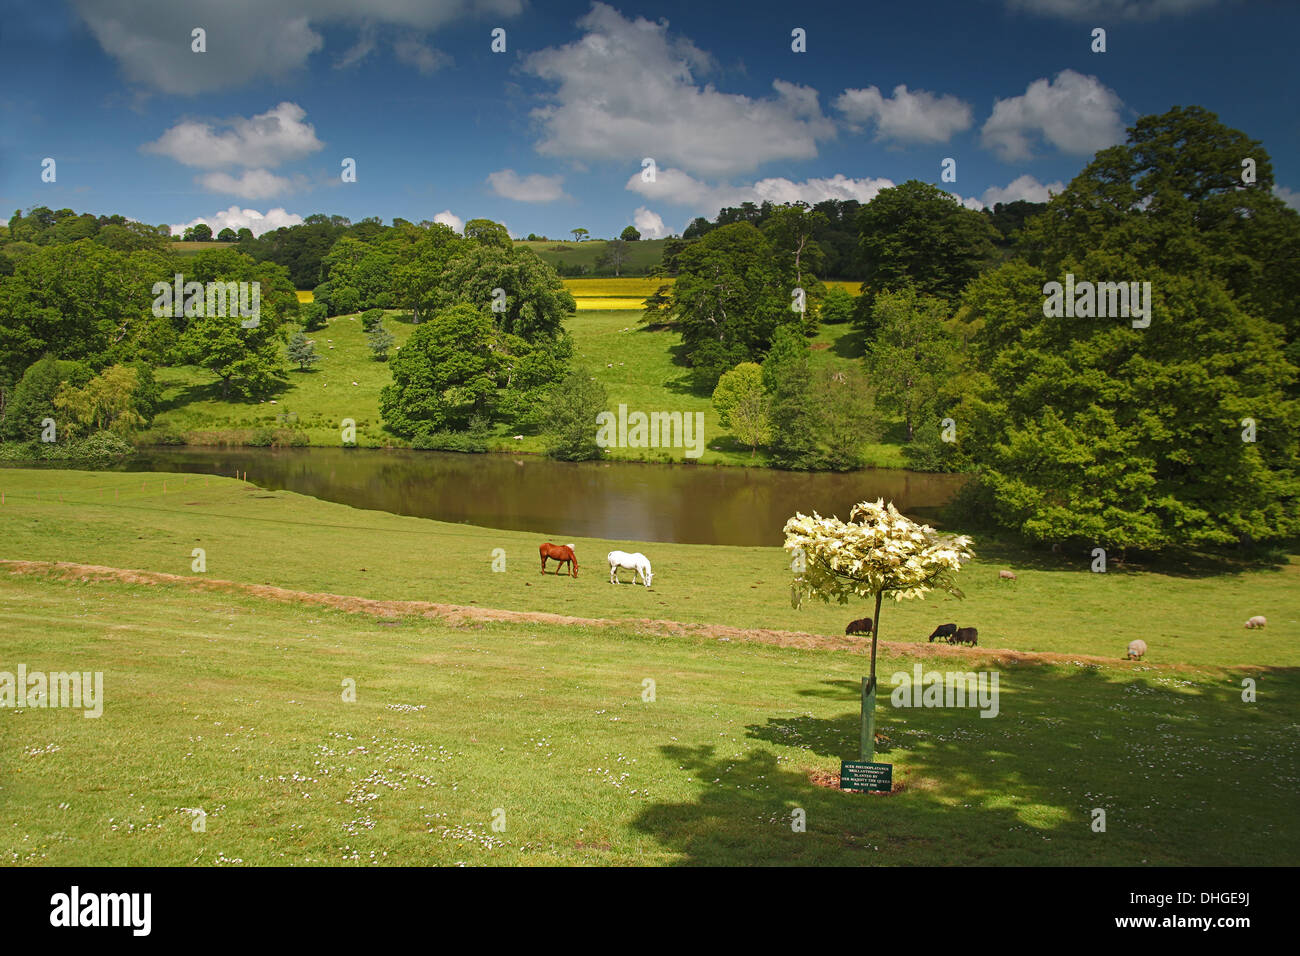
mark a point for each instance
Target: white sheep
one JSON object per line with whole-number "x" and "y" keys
{"x": 1256, "y": 621}
{"x": 1136, "y": 649}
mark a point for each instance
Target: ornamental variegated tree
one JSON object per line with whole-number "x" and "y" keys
{"x": 878, "y": 551}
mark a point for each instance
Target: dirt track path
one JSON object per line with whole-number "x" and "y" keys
{"x": 457, "y": 614}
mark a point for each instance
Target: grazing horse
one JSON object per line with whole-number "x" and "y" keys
{"x": 636, "y": 562}
{"x": 562, "y": 554}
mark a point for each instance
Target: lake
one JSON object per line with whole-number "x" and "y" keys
{"x": 625, "y": 501}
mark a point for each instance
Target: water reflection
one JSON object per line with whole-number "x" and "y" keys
{"x": 691, "y": 504}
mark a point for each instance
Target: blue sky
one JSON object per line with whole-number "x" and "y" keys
{"x": 551, "y": 134}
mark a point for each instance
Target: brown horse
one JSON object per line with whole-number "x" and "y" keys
{"x": 561, "y": 554}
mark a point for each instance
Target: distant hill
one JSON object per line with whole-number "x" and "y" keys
{"x": 183, "y": 248}
{"x": 570, "y": 258}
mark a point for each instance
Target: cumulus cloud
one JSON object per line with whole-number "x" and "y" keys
{"x": 267, "y": 139}
{"x": 448, "y": 218}
{"x": 906, "y": 117}
{"x": 1024, "y": 187}
{"x": 1075, "y": 113}
{"x": 1114, "y": 9}
{"x": 627, "y": 89}
{"x": 532, "y": 188}
{"x": 237, "y": 219}
{"x": 649, "y": 224}
{"x": 1289, "y": 196}
{"x": 252, "y": 184}
{"x": 150, "y": 39}
{"x": 681, "y": 189}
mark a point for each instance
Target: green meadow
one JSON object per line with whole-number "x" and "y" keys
{"x": 603, "y": 745}
{"x": 1187, "y": 614}
{"x": 638, "y": 366}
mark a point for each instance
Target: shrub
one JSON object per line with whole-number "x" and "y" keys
{"x": 313, "y": 316}
{"x": 370, "y": 319}
{"x": 466, "y": 442}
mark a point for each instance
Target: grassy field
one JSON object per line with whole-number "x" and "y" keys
{"x": 224, "y": 701}
{"x": 635, "y": 364}
{"x": 630, "y": 292}
{"x": 644, "y": 255}
{"x": 182, "y": 248}
{"x": 153, "y": 522}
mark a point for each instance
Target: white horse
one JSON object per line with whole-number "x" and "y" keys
{"x": 637, "y": 563}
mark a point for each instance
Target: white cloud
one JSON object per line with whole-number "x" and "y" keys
{"x": 1289, "y": 196}
{"x": 681, "y": 189}
{"x": 448, "y": 218}
{"x": 252, "y": 184}
{"x": 1116, "y": 9}
{"x": 420, "y": 55}
{"x": 1075, "y": 113}
{"x": 1024, "y": 187}
{"x": 267, "y": 139}
{"x": 907, "y": 117}
{"x": 250, "y": 40}
{"x": 626, "y": 90}
{"x": 237, "y": 219}
{"x": 649, "y": 224}
{"x": 532, "y": 188}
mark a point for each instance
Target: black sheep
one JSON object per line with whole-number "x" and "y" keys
{"x": 861, "y": 626}
{"x": 944, "y": 630}
{"x": 966, "y": 635}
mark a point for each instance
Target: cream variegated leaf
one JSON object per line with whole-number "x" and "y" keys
{"x": 877, "y": 550}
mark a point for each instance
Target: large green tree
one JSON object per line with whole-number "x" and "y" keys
{"x": 730, "y": 297}
{"x": 444, "y": 375}
{"x": 1174, "y": 196}
{"x": 911, "y": 355}
{"x": 916, "y": 234}
{"x": 532, "y": 304}
{"x": 1089, "y": 429}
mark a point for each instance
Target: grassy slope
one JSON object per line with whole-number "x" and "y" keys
{"x": 257, "y": 536}
{"x": 643, "y": 255}
{"x": 647, "y": 380}
{"x": 182, "y": 248}
{"x": 232, "y": 704}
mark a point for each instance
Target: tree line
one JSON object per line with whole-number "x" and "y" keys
{"x": 1183, "y": 433}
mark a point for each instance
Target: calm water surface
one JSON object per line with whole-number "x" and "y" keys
{"x": 691, "y": 504}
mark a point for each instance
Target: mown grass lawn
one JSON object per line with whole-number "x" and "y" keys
{"x": 1187, "y": 614}
{"x": 234, "y": 706}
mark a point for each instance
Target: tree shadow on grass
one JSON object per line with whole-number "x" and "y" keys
{"x": 189, "y": 394}
{"x": 1187, "y": 775}
{"x": 683, "y": 384}
{"x": 1076, "y": 556}
{"x": 852, "y": 344}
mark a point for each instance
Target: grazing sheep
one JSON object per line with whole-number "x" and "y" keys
{"x": 966, "y": 635}
{"x": 861, "y": 626}
{"x": 944, "y": 630}
{"x": 1256, "y": 621}
{"x": 1006, "y": 576}
{"x": 1136, "y": 649}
